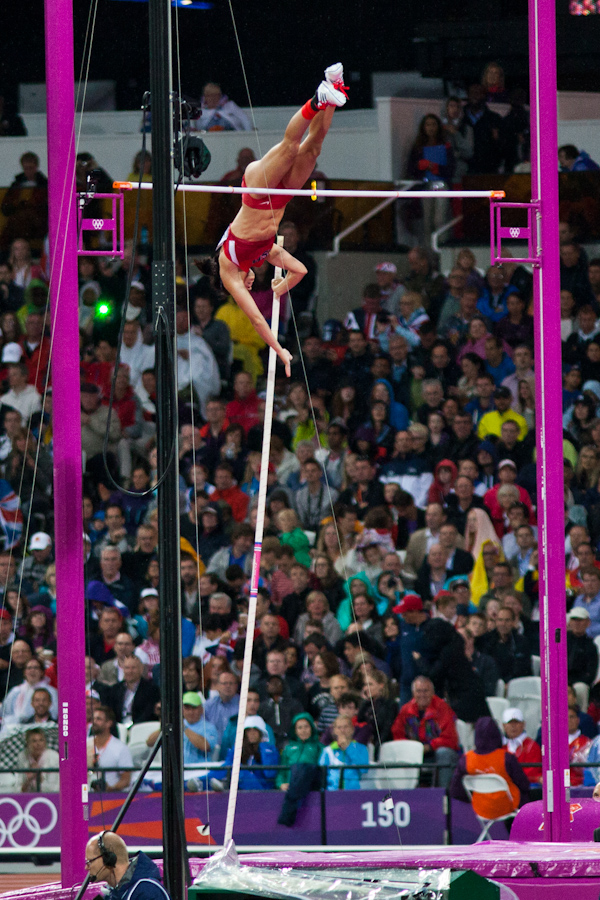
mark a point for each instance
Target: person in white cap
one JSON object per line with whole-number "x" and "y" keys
{"x": 390, "y": 289}
{"x": 11, "y": 353}
{"x": 21, "y": 396}
{"x": 517, "y": 741}
{"x": 34, "y": 566}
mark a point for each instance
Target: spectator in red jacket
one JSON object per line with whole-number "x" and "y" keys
{"x": 228, "y": 490}
{"x": 36, "y": 350}
{"x": 429, "y": 720}
{"x": 579, "y": 747}
{"x": 124, "y": 402}
{"x": 517, "y": 741}
{"x": 243, "y": 409}
{"x": 507, "y": 474}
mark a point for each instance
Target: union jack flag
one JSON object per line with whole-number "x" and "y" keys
{"x": 11, "y": 517}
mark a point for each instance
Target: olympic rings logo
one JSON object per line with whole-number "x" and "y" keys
{"x": 515, "y": 232}
{"x": 23, "y": 818}
{"x": 98, "y": 224}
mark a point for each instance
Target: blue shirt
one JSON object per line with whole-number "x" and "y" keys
{"x": 522, "y": 562}
{"x": 476, "y": 410}
{"x": 593, "y": 609}
{"x": 499, "y": 373}
{"x": 193, "y": 755}
{"x": 332, "y": 756}
{"x": 219, "y": 713}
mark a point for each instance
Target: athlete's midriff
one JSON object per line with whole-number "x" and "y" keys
{"x": 266, "y": 201}
{"x": 245, "y": 254}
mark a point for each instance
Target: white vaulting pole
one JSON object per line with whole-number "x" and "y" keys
{"x": 258, "y": 537}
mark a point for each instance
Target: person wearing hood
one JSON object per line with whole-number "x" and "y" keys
{"x": 398, "y": 414}
{"x": 591, "y": 387}
{"x": 357, "y": 584}
{"x": 211, "y": 536}
{"x": 256, "y": 751}
{"x": 38, "y": 628}
{"x": 107, "y": 859}
{"x": 490, "y": 756}
{"x": 303, "y": 747}
{"x": 487, "y": 460}
{"x": 443, "y": 483}
{"x": 301, "y": 755}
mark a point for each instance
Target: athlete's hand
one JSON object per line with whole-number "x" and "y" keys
{"x": 279, "y": 286}
{"x": 286, "y": 358}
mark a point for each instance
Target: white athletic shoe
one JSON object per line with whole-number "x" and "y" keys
{"x": 216, "y": 785}
{"x": 328, "y": 95}
{"x": 335, "y": 74}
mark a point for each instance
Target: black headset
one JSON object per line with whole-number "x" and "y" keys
{"x": 109, "y": 857}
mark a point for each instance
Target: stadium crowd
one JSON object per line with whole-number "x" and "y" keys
{"x": 398, "y": 582}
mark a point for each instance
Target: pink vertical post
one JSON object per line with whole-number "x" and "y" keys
{"x": 548, "y": 396}
{"x": 66, "y": 423}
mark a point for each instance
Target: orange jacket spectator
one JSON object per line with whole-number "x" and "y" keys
{"x": 490, "y": 757}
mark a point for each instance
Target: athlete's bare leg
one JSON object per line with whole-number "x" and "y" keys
{"x": 268, "y": 171}
{"x": 310, "y": 150}
{"x": 315, "y": 116}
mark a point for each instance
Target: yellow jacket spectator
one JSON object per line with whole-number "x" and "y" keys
{"x": 491, "y": 423}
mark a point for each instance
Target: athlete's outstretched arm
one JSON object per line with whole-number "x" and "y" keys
{"x": 233, "y": 282}
{"x": 294, "y": 268}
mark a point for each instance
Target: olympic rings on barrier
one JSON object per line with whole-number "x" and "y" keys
{"x": 23, "y": 818}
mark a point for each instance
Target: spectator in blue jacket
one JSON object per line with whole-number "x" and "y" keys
{"x": 344, "y": 751}
{"x": 589, "y": 599}
{"x": 573, "y": 160}
{"x": 412, "y": 617}
{"x": 256, "y": 751}
{"x": 492, "y": 303}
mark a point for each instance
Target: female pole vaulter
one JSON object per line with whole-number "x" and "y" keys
{"x": 250, "y": 239}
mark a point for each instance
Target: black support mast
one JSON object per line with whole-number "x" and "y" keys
{"x": 163, "y": 294}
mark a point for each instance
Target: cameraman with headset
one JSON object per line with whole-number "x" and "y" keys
{"x": 107, "y": 859}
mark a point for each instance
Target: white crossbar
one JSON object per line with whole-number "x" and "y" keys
{"x": 226, "y": 189}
